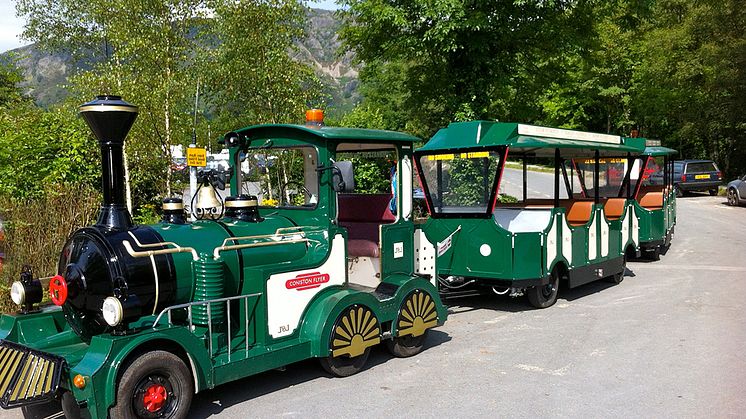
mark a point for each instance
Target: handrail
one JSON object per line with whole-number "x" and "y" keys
{"x": 167, "y": 311}
{"x": 218, "y": 250}
{"x": 148, "y": 253}
{"x": 282, "y": 231}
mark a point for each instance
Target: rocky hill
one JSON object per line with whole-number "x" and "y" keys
{"x": 47, "y": 73}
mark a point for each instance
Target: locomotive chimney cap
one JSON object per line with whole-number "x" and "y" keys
{"x": 109, "y": 117}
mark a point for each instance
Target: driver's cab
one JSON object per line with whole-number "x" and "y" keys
{"x": 354, "y": 185}
{"x": 376, "y": 208}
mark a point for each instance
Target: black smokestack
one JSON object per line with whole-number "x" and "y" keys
{"x": 110, "y": 118}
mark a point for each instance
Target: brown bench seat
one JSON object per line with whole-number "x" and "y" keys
{"x": 614, "y": 208}
{"x": 362, "y": 216}
{"x": 580, "y": 213}
{"x": 651, "y": 200}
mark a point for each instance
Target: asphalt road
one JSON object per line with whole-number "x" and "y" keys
{"x": 667, "y": 342}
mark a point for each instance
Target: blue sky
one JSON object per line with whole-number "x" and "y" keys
{"x": 11, "y": 26}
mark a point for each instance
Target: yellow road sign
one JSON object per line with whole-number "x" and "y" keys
{"x": 196, "y": 157}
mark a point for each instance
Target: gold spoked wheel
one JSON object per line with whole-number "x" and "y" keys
{"x": 355, "y": 332}
{"x": 416, "y": 315}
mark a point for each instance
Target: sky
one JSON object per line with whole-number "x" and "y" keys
{"x": 11, "y": 26}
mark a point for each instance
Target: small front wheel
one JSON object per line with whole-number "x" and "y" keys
{"x": 543, "y": 296}
{"x": 619, "y": 277}
{"x": 156, "y": 384}
{"x": 713, "y": 192}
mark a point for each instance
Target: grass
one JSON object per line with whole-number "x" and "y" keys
{"x": 36, "y": 229}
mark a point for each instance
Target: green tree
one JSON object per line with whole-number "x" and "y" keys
{"x": 251, "y": 75}
{"x": 10, "y": 77}
{"x": 692, "y": 80}
{"x": 149, "y": 49}
{"x": 461, "y": 57}
{"x": 596, "y": 91}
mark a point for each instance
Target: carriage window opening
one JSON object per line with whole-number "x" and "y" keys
{"x": 460, "y": 183}
{"x": 610, "y": 176}
{"x": 284, "y": 177}
{"x": 653, "y": 175}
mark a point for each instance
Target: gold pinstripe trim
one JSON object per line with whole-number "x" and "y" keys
{"x": 108, "y": 108}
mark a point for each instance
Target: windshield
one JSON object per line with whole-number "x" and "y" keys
{"x": 460, "y": 183}
{"x": 284, "y": 177}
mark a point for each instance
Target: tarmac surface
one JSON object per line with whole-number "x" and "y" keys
{"x": 667, "y": 342}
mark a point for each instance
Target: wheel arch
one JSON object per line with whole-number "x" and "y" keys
{"x": 320, "y": 318}
{"x": 193, "y": 360}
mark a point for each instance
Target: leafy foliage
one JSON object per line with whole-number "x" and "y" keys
{"x": 437, "y": 58}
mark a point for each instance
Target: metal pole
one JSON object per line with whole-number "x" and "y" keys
{"x": 595, "y": 179}
{"x": 525, "y": 177}
{"x": 557, "y": 162}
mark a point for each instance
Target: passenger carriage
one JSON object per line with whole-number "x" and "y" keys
{"x": 649, "y": 183}
{"x": 655, "y": 198}
{"x": 577, "y": 233}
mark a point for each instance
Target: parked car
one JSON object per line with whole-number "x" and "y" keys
{"x": 737, "y": 191}
{"x": 696, "y": 175}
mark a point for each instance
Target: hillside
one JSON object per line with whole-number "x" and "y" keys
{"x": 47, "y": 73}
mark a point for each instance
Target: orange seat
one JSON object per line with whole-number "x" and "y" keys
{"x": 652, "y": 200}
{"x": 580, "y": 213}
{"x": 614, "y": 208}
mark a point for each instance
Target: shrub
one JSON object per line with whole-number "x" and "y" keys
{"x": 36, "y": 229}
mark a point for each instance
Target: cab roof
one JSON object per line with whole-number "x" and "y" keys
{"x": 528, "y": 139}
{"x": 338, "y": 134}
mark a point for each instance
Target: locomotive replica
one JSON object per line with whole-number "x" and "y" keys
{"x": 146, "y": 316}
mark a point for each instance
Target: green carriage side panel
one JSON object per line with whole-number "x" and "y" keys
{"x": 528, "y": 256}
{"x": 397, "y": 248}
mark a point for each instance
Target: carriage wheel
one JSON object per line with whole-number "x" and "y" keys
{"x": 355, "y": 332}
{"x": 416, "y": 316}
{"x": 543, "y": 296}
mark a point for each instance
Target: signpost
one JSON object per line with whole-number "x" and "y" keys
{"x": 196, "y": 157}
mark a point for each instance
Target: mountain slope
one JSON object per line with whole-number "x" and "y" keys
{"x": 45, "y": 74}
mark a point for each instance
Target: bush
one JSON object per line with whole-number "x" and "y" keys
{"x": 37, "y": 228}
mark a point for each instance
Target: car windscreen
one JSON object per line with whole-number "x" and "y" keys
{"x": 701, "y": 167}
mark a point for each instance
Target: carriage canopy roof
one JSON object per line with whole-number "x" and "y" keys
{"x": 659, "y": 151}
{"x": 528, "y": 139}
{"x": 328, "y": 133}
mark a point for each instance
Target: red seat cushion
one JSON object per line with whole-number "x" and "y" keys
{"x": 360, "y": 248}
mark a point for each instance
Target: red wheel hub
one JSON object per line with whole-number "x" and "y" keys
{"x": 154, "y": 398}
{"x": 58, "y": 290}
